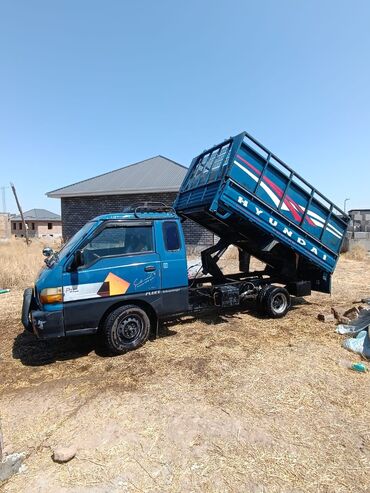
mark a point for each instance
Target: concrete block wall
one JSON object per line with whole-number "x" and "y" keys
{"x": 76, "y": 211}
{"x": 360, "y": 220}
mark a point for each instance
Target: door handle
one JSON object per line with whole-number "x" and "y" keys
{"x": 149, "y": 268}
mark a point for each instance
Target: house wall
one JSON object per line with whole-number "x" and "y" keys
{"x": 76, "y": 211}
{"x": 41, "y": 229}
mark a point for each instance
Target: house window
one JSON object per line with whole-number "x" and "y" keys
{"x": 20, "y": 226}
{"x": 33, "y": 226}
{"x": 50, "y": 225}
{"x": 14, "y": 225}
{"x": 171, "y": 236}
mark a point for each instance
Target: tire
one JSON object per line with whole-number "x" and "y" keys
{"x": 276, "y": 302}
{"x": 260, "y": 298}
{"x": 125, "y": 329}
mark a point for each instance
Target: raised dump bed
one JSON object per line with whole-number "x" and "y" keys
{"x": 250, "y": 198}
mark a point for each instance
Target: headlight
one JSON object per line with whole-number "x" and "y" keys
{"x": 51, "y": 295}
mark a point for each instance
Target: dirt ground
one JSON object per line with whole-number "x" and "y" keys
{"x": 231, "y": 403}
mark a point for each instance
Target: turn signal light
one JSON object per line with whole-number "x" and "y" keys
{"x": 51, "y": 295}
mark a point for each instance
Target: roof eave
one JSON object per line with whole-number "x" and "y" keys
{"x": 56, "y": 195}
{"x": 37, "y": 219}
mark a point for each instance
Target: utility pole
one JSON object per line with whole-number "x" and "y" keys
{"x": 345, "y": 203}
{"x": 3, "y": 197}
{"x": 21, "y": 213}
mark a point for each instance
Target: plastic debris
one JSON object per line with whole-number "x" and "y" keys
{"x": 360, "y": 367}
{"x": 11, "y": 465}
{"x": 359, "y": 344}
{"x": 3, "y": 291}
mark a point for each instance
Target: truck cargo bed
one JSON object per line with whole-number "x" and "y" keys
{"x": 250, "y": 198}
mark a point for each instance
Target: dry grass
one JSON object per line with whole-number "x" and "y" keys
{"x": 227, "y": 403}
{"x": 357, "y": 252}
{"x": 19, "y": 263}
{"x": 232, "y": 253}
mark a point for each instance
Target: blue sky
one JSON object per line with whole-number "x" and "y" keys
{"x": 88, "y": 86}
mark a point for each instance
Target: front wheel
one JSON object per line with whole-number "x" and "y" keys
{"x": 275, "y": 302}
{"x": 125, "y": 329}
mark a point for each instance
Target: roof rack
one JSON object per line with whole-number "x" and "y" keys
{"x": 138, "y": 207}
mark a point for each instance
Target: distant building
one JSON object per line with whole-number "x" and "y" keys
{"x": 40, "y": 223}
{"x": 157, "y": 179}
{"x": 359, "y": 228}
{"x": 360, "y": 220}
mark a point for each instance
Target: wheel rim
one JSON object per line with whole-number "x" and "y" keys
{"x": 128, "y": 329}
{"x": 279, "y": 303}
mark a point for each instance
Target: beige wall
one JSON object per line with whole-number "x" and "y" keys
{"x": 4, "y": 226}
{"x": 41, "y": 229}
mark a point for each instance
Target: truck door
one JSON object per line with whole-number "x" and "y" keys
{"x": 175, "y": 297}
{"x": 119, "y": 261}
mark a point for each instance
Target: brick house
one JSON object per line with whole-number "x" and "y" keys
{"x": 40, "y": 223}
{"x": 156, "y": 179}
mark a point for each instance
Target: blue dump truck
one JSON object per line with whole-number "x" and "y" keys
{"x": 123, "y": 273}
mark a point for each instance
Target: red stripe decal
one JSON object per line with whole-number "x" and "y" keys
{"x": 288, "y": 201}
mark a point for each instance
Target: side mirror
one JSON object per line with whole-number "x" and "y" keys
{"x": 47, "y": 252}
{"x": 79, "y": 258}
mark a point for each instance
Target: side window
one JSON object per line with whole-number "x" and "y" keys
{"x": 119, "y": 240}
{"x": 171, "y": 236}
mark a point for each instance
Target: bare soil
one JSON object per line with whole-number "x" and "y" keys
{"x": 225, "y": 403}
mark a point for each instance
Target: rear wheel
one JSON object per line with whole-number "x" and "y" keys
{"x": 275, "y": 301}
{"x": 260, "y": 299}
{"x": 125, "y": 329}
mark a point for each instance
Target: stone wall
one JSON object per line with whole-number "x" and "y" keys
{"x": 76, "y": 211}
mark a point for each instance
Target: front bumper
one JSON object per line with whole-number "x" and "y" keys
{"x": 45, "y": 325}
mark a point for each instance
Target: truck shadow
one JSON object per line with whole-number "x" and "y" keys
{"x": 215, "y": 317}
{"x": 35, "y": 352}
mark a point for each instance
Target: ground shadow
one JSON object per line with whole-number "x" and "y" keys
{"x": 36, "y": 352}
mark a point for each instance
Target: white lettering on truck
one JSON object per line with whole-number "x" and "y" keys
{"x": 244, "y": 202}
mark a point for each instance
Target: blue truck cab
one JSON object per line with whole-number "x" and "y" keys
{"x": 134, "y": 259}
{"x": 122, "y": 273}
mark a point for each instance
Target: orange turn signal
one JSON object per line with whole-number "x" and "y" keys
{"x": 51, "y": 295}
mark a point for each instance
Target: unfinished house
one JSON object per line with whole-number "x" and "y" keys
{"x": 40, "y": 223}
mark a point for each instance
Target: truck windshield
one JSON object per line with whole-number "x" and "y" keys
{"x": 76, "y": 238}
